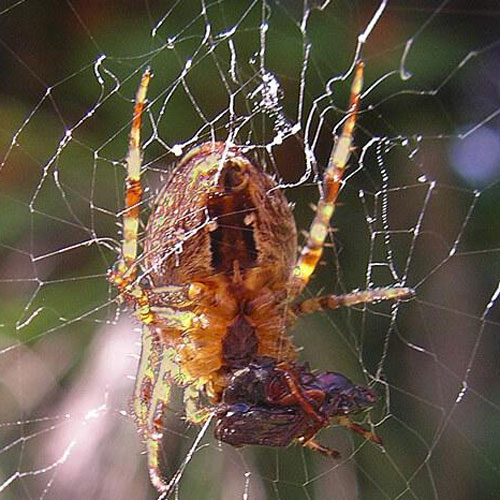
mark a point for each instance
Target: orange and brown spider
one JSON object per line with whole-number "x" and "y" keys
{"x": 218, "y": 290}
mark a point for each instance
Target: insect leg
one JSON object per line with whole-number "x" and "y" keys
{"x": 314, "y": 445}
{"x": 346, "y": 422}
{"x": 320, "y": 227}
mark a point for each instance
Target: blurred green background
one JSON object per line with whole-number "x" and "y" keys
{"x": 419, "y": 206}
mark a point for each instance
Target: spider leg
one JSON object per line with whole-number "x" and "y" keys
{"x": 151, "y": 396}
{"x": 159, "y": 401}
{"x": 133, "y": 182}
{"x": 346, "y": 422}
{"x": 324, "y": 302}
{"x": 320, "y": 227}
{"x": 158, "y": 369}
{"x": 124, "y": 273}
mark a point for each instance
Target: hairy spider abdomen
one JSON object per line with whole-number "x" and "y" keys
{"x": 217, "y": 207}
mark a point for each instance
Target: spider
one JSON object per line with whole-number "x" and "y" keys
{"x": 217, "y": 287}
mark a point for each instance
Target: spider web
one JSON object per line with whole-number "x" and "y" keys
{"x": 418, "y": 208}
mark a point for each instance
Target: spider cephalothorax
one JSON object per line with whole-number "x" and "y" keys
{"x": 217, "y": 288}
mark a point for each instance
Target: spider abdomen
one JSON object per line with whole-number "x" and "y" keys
{"x": 215, "y": 208}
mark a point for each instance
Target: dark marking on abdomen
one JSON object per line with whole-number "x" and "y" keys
{"x": 239, "y": 346}
{"x": 233, "y": 239}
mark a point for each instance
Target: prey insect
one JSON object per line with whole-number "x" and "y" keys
{"x": 217, "y": 287}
